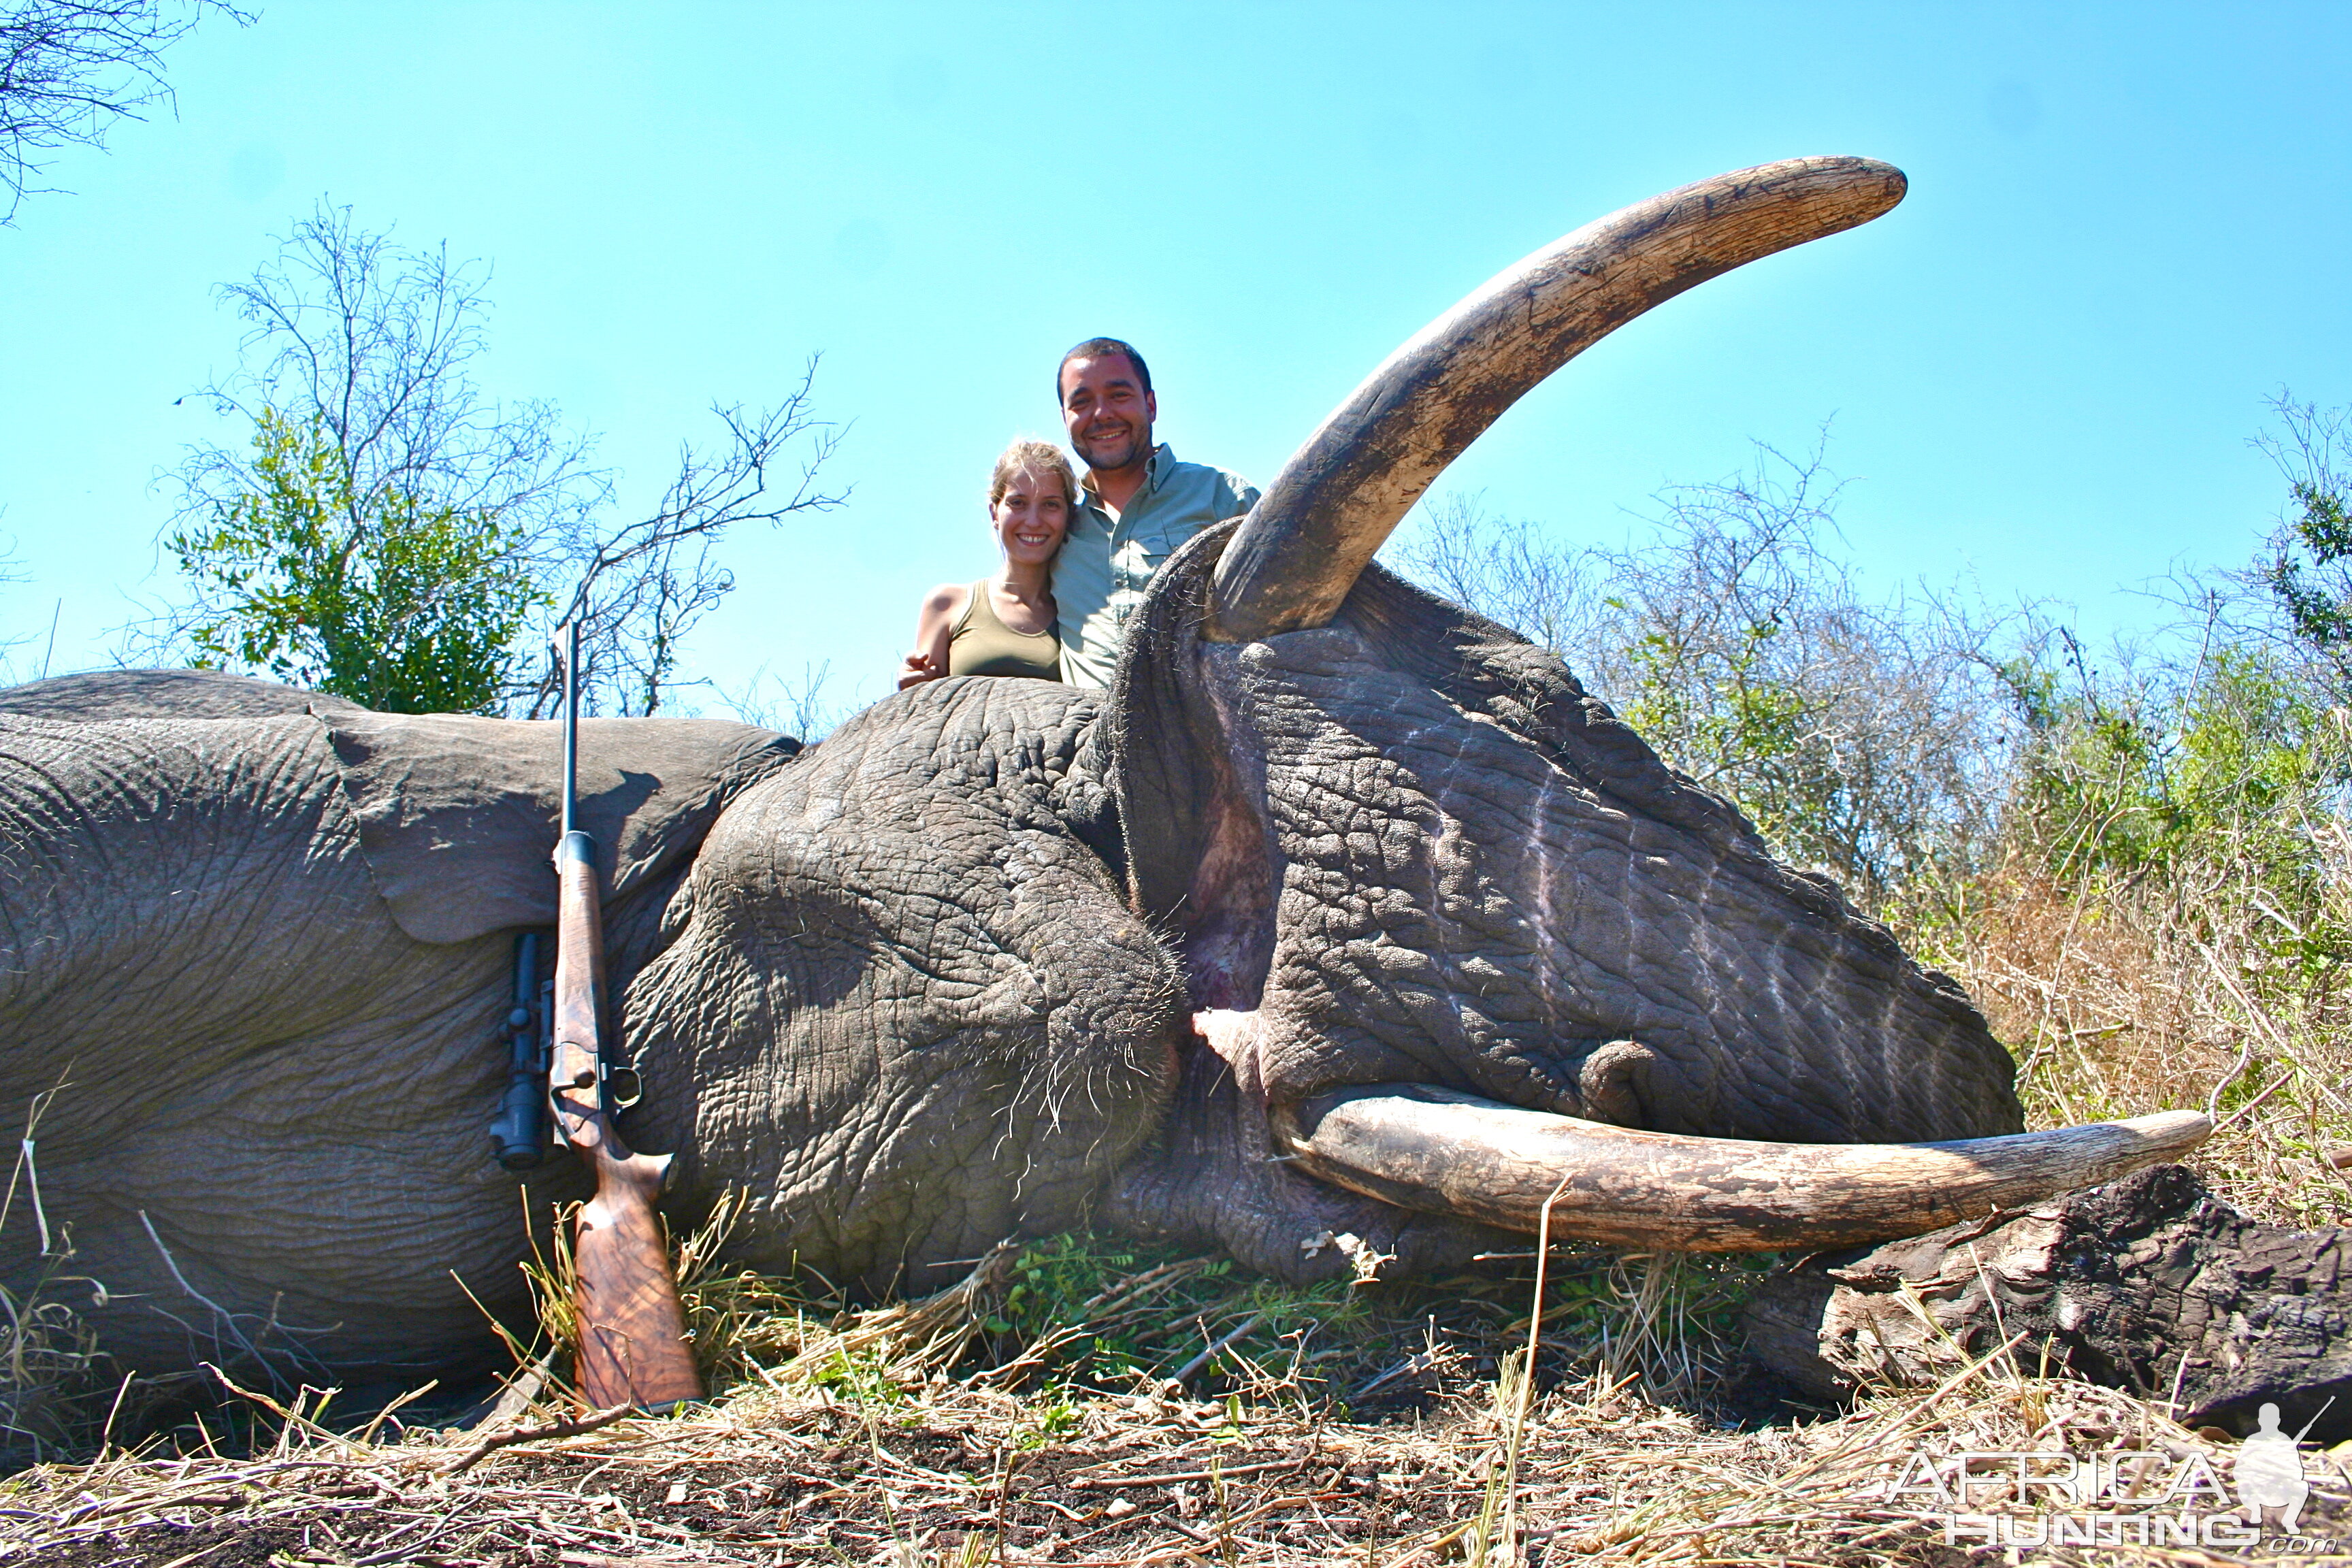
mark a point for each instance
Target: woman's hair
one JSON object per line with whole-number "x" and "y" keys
{"x": 1027, "y": 453}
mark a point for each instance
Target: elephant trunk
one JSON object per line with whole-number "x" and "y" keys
{"x": 1439, "y": 1151}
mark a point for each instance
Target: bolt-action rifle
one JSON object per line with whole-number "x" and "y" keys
{"x": 633, "y": 1348}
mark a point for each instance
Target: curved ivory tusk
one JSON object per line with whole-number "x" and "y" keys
{"x": 1336, "y": 499}
{"x": 1442, "y": 1153}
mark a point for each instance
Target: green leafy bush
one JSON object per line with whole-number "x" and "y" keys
{"x": 402, "y": 603}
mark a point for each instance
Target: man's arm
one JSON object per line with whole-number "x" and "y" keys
{"x": 1235, "y": 495}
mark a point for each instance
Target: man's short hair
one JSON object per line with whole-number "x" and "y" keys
{"x": 1094, "y": 348}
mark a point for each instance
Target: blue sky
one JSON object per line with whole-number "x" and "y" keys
{"x": 2127, "y": 225}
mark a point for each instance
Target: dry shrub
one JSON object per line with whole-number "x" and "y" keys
{"x": 2130, "y": 996}
{"x": 1865, "y": 734}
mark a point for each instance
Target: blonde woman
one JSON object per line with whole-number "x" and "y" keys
{"x": 1003, "y": 625}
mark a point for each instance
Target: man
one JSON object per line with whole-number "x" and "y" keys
{"x": 1136, "y": 504}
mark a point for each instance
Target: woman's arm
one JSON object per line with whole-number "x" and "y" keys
{"x": 933, "y": 626}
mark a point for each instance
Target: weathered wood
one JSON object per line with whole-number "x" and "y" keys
{"x": 2149, "y": 1284}
{"x": 1326, "y": 514}
{"x": 1442, "y": 1153}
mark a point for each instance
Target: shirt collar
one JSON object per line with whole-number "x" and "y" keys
{"x": 1162, "y": 464}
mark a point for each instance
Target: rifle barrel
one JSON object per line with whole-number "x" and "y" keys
{"x": 571, "y": 723}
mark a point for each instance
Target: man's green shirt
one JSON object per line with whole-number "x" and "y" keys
{"x": 1104, "y": 564}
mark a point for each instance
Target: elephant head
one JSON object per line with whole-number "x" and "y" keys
{"x": 1351, "y": 924}
{"x": 1397, "y": 845}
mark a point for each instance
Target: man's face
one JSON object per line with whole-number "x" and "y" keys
{"x": 1107, "y": 412}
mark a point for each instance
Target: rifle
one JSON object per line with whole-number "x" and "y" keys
{"x": 632, "y": 1347}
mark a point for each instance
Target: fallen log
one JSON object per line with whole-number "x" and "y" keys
{"x": 2149, "y": 1284}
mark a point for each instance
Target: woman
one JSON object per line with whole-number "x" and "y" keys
{"x": 1003, "y": 625}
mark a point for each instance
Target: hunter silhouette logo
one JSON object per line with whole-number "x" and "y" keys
{"x": 2270, "y": 1471}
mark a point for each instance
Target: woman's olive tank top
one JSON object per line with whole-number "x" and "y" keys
{"x": 981, "y": 643}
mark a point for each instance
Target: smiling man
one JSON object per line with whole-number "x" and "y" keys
{"x": 1137, "y": 504}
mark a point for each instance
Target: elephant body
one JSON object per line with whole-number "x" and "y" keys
{"x": 997, "y": 957}
{"x": 249, "y": 1067}
{"x": 292, "y": 1147}
{"x": 922, "y": 987}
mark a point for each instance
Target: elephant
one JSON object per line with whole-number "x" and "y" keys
{"x": 1346, "y": 927}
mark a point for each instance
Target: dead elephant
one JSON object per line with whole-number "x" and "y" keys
{"x": 1346, "y": 926}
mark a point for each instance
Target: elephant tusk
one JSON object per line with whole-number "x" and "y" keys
{"x": 1439, "y": 1151}
{"x": 1327, "y": 514}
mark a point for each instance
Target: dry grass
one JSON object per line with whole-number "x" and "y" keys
{"x": 935, "y": 1467}
{"x": 2125, "y": 999}
{"x": 57, "y": 1387}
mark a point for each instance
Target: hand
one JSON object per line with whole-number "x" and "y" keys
{"x": 916, "y": 668}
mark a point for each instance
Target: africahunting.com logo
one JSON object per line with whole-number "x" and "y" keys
{"x": 2135, "y": 1497}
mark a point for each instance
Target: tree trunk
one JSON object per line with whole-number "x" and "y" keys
{"x": 2149, "y": 1284}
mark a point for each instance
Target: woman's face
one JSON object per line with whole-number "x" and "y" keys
{"x": 1031, "y": 516}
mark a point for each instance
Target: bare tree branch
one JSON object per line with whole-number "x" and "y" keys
{"x": 641, "y": 586}
{"x": 72, "y": 69}
{"x": 796, "y": 708}
{"x": 376, "y": 340}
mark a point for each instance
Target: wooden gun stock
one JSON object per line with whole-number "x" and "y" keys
{"x": 633, "y": 1348}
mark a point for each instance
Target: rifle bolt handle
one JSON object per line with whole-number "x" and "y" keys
{"x": 519, "y": 1018}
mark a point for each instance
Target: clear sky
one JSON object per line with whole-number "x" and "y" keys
{"x": 2127, "y": 225}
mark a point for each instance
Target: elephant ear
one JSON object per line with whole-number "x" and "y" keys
{"x": 458, "y": 816}
{"x": 1187, "y": 776}
{"x": 1205, "y": 862}
{"x": 110, "y": 694}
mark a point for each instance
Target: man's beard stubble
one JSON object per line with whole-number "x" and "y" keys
{"x": 1134, "y": 448}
